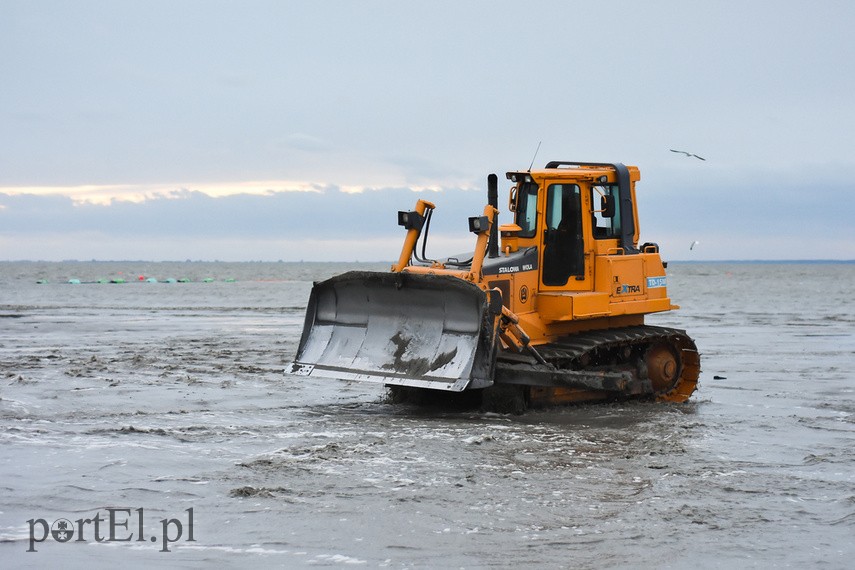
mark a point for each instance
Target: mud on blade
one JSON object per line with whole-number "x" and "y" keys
{"x": 425, "y": 331}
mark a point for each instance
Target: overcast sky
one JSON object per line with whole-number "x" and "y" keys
{"x": 296, "y": 130}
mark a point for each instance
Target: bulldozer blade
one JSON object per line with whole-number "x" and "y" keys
{"x": 424, "y": 331}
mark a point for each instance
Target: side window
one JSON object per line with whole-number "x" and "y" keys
{"x": 605, "y": 227}
{"x": 527, "y": 209}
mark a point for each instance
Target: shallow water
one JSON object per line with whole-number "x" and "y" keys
{"x": 170, "y": 396}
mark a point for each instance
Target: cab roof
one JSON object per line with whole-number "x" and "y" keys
{"x": 575, "y": 170}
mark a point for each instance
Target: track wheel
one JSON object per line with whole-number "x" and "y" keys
{"x": 663, "y": 367}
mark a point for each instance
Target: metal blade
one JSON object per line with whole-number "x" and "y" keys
{"x": 426, "y": 331}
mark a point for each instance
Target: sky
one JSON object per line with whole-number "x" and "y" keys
{"x": 268, "y": 130}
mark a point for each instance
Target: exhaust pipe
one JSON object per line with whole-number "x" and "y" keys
{"x": 493, "y": 200}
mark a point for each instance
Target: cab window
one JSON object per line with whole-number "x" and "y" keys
{"x": 605, "y": 227}
{"x": 526, "y": 217}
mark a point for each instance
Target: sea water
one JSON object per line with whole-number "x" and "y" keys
{"x": 164, "y": 406}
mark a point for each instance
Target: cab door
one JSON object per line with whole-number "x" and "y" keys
{"x": 564, "y": 260}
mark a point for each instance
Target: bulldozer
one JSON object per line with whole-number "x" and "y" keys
{"x": 546, "y": 310}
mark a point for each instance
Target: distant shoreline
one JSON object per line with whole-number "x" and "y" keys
{"x": 765, "y": 261}
{"x": 307, "y": 261}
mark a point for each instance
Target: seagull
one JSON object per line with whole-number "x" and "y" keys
{"x": 694, "y": 243}
{"x": 689, "y": 154}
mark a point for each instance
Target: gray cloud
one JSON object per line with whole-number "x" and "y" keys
{"x": 795, "y": 217}
{"x": 330, "y": 214}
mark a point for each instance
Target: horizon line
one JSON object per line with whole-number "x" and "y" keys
{"x": 817, "y": 260}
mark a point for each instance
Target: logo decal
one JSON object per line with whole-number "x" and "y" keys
{"x": 62, "y": 530}
{"x": 516, "y": 268}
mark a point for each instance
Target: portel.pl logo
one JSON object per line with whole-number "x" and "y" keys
{"x": 118, "y": 525}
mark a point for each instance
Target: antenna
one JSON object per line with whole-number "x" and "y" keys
{"x": 535, "y": 155}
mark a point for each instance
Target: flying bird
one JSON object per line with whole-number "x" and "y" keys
{"x": 689, "y": 154}
{"x": 694, "y": 243}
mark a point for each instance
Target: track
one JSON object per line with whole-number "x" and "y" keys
{"x": 631, "y": 362}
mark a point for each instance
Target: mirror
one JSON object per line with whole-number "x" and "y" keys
{"x": 512, "y": 200}
{"x": 607, "y": 206}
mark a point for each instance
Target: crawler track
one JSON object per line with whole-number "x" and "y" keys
{"x": 632, "y": 362}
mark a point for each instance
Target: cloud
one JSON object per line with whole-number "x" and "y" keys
{"x": 794, "y": 215}
{"x": 185, "y": 220}
{"x": 304, "y": 142}
{"x": 108, "y": 193}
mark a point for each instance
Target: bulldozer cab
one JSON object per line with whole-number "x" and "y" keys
{"x": 573, "y": 212}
